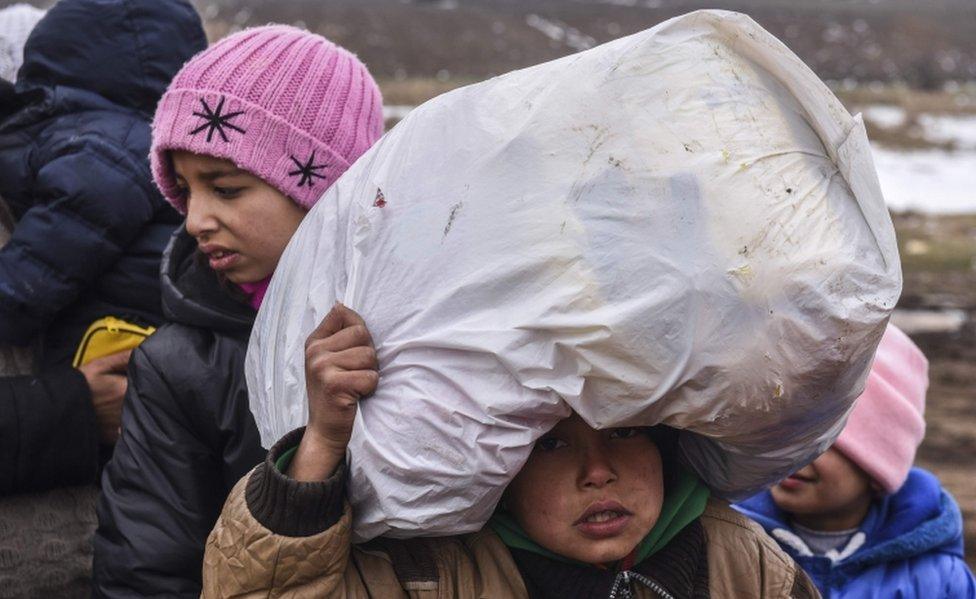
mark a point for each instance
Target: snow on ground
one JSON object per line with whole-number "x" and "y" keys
{"x": 929, "y": 180}
{"x": 560, "y": 32}
{"x": 934, "y": 181}
{"x": 396, "y": 111}
{"x": 958, "y": 129}
{"x": 929, "y": 321}
{"x": 884, "y": 115}
{"x": 937, "y": 128}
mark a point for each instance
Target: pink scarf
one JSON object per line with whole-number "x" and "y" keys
{"x": 256, "y": 291}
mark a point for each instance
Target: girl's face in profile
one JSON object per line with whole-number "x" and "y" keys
{"x": 831, "y": 493}
{"x": 589, "y": 495}
{"x": 240, "y": 222}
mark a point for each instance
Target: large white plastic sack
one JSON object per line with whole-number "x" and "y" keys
{"x": 683, "y": 226}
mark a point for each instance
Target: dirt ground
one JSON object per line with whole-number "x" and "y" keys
{"x": 939, "y": 259}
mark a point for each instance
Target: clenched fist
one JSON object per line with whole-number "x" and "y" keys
{"x": 340, "y": 369}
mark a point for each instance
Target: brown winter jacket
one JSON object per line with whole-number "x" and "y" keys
{"x": 277, "y": 537}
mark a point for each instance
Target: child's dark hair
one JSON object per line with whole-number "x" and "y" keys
{"x": 666, "y": 439}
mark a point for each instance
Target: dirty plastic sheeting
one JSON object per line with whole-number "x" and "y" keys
{"x": 683, "y": 226}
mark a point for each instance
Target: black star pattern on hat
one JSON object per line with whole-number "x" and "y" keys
{"x": 307, "y": 170}
{"x": 215, "y": 121}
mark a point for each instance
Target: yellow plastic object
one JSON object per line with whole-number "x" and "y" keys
{"x": 107, "y": 336}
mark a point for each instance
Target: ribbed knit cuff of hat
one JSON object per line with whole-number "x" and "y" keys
{"x": 244, "y": 133}
{"x": 884, "y": 448}
{"x": 888, "y": 422}
{"x": 289, "y": 507}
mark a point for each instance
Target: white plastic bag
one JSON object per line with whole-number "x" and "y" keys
{"x": 681, "y": 226}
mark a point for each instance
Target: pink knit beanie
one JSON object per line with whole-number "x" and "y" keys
{"x": 284, "y": 104}
{"x": 887, "y": 423}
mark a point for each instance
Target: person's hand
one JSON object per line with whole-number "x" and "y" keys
{"x": 340, "y": 369}
{"x": 107, "y": 380}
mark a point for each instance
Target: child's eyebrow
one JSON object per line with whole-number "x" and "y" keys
{"x": 216, "y": 174}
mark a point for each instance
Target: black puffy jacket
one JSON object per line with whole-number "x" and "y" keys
{"x": 91, "y": 226}
{"x": 187, "y": 437}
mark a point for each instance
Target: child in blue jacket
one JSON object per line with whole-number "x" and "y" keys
{"x": 90, "y": 226}
{"x": 859, "y": 519}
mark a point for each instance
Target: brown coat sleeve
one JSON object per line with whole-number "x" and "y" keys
{"x": 279, "y": 536}
{"x": 745, "y": 563}
{"x": 803, "y": 587}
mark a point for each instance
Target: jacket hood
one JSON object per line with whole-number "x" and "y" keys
{"x": 126, "y": 51}
{"x": 192, "y": 294}
{"x": 919, "y": 518}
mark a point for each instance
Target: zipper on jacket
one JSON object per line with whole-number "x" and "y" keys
{"x": 622, "y": 586}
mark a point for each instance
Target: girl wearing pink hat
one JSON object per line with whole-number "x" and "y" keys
{"x": 248, "y": 136}
{"x": 860, "y": 519}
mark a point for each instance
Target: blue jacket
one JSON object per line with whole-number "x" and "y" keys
{"x": 90, "y": 224}
{"x": 911, "y": 546}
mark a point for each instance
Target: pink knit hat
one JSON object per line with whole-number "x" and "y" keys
{"x": 284, "y": 104}
{"x": 888, "y": 424}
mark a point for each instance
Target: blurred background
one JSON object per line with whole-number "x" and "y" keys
{"x": 909, "y": 66}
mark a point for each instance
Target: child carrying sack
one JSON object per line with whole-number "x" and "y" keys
{"x": 683, "y": 226}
